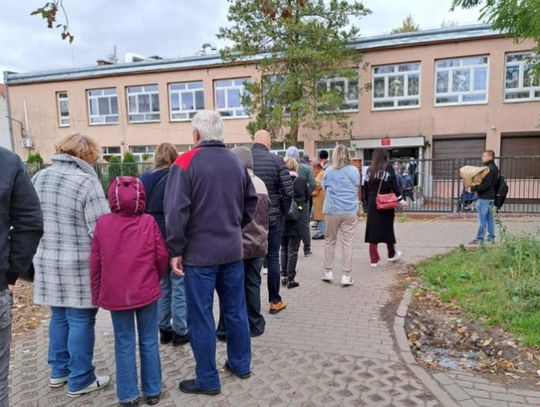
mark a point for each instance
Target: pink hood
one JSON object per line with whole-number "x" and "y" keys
{"x": 126, "y": 196}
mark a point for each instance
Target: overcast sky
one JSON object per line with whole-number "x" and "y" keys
{"x": 167, "y": 28}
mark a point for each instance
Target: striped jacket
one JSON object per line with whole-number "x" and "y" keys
{"x": 72, "y": 200}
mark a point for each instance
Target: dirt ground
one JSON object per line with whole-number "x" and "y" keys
{"x": 26, "y": 315}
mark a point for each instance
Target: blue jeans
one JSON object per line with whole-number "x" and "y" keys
{"x": 228, "y": 281}
{"x": 275, "y": 231}
{"x": 486, "y": 220}
{"x": 125, "y": 348}
{"x": 71, "y": 345}
{"x": 172, "y": 304}
{"x": 322, "y": 227}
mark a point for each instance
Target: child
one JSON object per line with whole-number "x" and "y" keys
{"x": 127, "y": 261}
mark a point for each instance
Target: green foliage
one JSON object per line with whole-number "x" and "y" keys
{"x": 130, "y": 166}
{"x": 298, "y": 44}
{"x": 49, "y": 12}
{"x": 408, "y": 25}
{"x": 501, "y": 283}
{"x": 34, "y": 158}
{"x": 518, "y": 18}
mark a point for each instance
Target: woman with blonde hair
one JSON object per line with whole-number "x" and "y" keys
{"x": 340, "y": 182}
{"x": 172, "y": 308}
{"x": 72, "y": 200}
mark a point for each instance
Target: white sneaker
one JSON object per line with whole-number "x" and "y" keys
{"x": 328, "y": 276}
{"x": 100, "y": 383}
{"x": 375, "y": 265}
{"x": 57, "y": 382}
{"x": 396, "y": 257}
{"x": 346, "y": 280}
{"x": 265, "y": 271}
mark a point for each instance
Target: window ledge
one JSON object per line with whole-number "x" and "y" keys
{"x": 144, "y": 121}
{"x": 510, "y": 101}
{"x": 386, "y": 109}
{"x": 460, "y": 104}
{"x": 104, "y": 124}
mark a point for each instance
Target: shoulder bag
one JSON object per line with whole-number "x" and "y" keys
{"x": 386, "y": 202}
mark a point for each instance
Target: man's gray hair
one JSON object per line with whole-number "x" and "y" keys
{"x": 209, "y": 124}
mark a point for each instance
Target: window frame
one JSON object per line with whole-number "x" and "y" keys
{"x": 90, "y": 97}
{"x": 460, "y": 94}
{"x": 137, "y": 95}
{"x": 241, "y": 108}
{"x": 347, "y": 81}
{"x": 180, "y": 92}
{"x": 396, "y": 99}
{"x": 66, "y": 100}
{"x": 138, "y": 155}
{"x": 105, "y": 152}
{"x": 521, "y": 64}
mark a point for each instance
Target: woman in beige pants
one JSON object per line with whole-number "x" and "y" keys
{"x": 340, "y": 182}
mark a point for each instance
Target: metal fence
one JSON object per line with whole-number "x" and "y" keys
{"x": 436, "y": 186}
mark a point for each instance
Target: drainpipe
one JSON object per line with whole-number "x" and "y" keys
{"x": 11, "y": 137}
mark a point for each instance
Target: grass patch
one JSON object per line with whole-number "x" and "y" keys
{"x": 500, "y": 283}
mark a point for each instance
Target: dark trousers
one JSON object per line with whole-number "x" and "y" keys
{"x": 252, "y": 287}
{"x": 275, "y": 231}
{"x": 290, "y": 245}
{"x": 374, "y": 252}
{"x": 228, "y": 281}
{"x": 306, "y": 233}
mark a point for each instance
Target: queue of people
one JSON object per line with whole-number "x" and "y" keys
{"x": 154, "y": 251}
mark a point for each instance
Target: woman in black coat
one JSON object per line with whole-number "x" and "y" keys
{"x": 292, "y": 235}
{"x": 381, "y": 178}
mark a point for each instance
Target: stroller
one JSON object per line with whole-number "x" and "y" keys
{"x": 466, "y": 201}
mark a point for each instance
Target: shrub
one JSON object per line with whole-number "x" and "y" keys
{"x": 35, "y": 158}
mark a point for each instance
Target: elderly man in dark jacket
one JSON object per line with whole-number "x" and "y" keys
{"x": 209, "y": 198}
{"x": 21, "y": 227}
{"x": 272, "y": 170}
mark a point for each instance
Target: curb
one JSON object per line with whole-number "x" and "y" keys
{"x": 407, "y": 356}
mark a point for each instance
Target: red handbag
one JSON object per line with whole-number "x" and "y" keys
{"x": 386, "y": 202}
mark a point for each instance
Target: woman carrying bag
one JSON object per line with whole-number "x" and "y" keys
{"x": 383, "y": 195}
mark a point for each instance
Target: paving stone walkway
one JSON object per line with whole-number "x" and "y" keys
{"x": 331, "y": 346}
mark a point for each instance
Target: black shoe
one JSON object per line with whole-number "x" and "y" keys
{"x": 241, "y": 376}
{"x": 132, "y": 403}
{"x": 179, "y": 340}
{"x": 293, "y": 284}
{"x": 318, "y": 237}
{"x": 284, "y": 281}
{"x": 221, "y": 338}
{"x": 165, "y": 337}
{"x": 256, "y": 334}
{"x": 307, "y": 253}
{"x": 189, "y": 387}
{"x": 152, "y": 401}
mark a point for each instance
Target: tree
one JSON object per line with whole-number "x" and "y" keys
{"x": 408, "y": 25}
{"x": 520, "y": 19}
{"x": 49, "y": 12}
{"x": 297, "y": 45}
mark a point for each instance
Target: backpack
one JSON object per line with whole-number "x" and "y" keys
{"x": 294, "y": 212}
{"x": 501, "y": 192}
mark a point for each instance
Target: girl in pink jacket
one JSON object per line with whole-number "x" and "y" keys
{"x": 127, "y": 261}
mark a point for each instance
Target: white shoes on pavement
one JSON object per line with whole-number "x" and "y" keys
{"x": 328, "y": 276}
{"x": 375, "y": 265}
{"x": 100, "y": 383}
{"x": 346, "y": 280}
{"x": 57, "y": 382}
{"x": 396, "y": 257}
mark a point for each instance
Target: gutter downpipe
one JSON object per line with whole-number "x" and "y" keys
{"x": 8, "y": 106}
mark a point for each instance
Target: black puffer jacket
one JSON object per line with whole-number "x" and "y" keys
{"x": 21, "y": 220}
{"x": 272, "y": 170}
{"x": 487, "y": 189}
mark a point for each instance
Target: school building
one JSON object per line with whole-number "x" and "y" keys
{"x": 441, "y": 93}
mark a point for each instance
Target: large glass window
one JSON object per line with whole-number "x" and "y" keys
{"x": 186, "y": 99}
{"x": 228, "y": 94}
{"x": 143, "y": 153}
{"x": 103, "y": 106}
{"x": 143, "y": 103}
{"x": 521, "y": 81}
{"x": 63, "y": 109}
{"x": 461, "y": 81}
{"x": 348, "y": 87}
{"x": 109, "y": 152}
{"x": 396, "y": 86}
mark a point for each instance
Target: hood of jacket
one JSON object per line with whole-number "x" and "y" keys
{"x": 126, "y": 196}
{"x": 66, "y": 159}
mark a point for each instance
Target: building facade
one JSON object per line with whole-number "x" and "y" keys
{"x": 444, "y": 93}
{"x": 5, "y": 135}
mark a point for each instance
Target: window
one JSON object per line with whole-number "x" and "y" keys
{"x": 185, "y": 100}
{"x": 103, "y": 106}
{"x": 280, "y": 148}
{"x": 63, "y": 109}
{"x": 521, "y": 81}
{"x": 182, "y": 148}
{"x": 110, "y": 152}
{"x": 396, "y": 86}
{"x": 461, "y": 81}
{"x": 348, "y": 87}
{"x": 331, "y": 145}
{"x": 143, "y": 153}
{"x": 228, "y": 94}
{"x": 143, "y": 103}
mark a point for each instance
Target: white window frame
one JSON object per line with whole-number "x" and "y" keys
{"x": 150, "y": 151}
{"x": 396, "y": 99}
{"x": 146, "y": 90}
{"x": 327, "y": 82}
{"x": 521, "y": 88}
{"x": 237, "y": 84}
{"x": 105, "y": 152}
{"x": 460, "y": 94}
{"x": 190, "y": 112}
{"x": 62, "y": 96}
{"x": 105, "y": 116}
